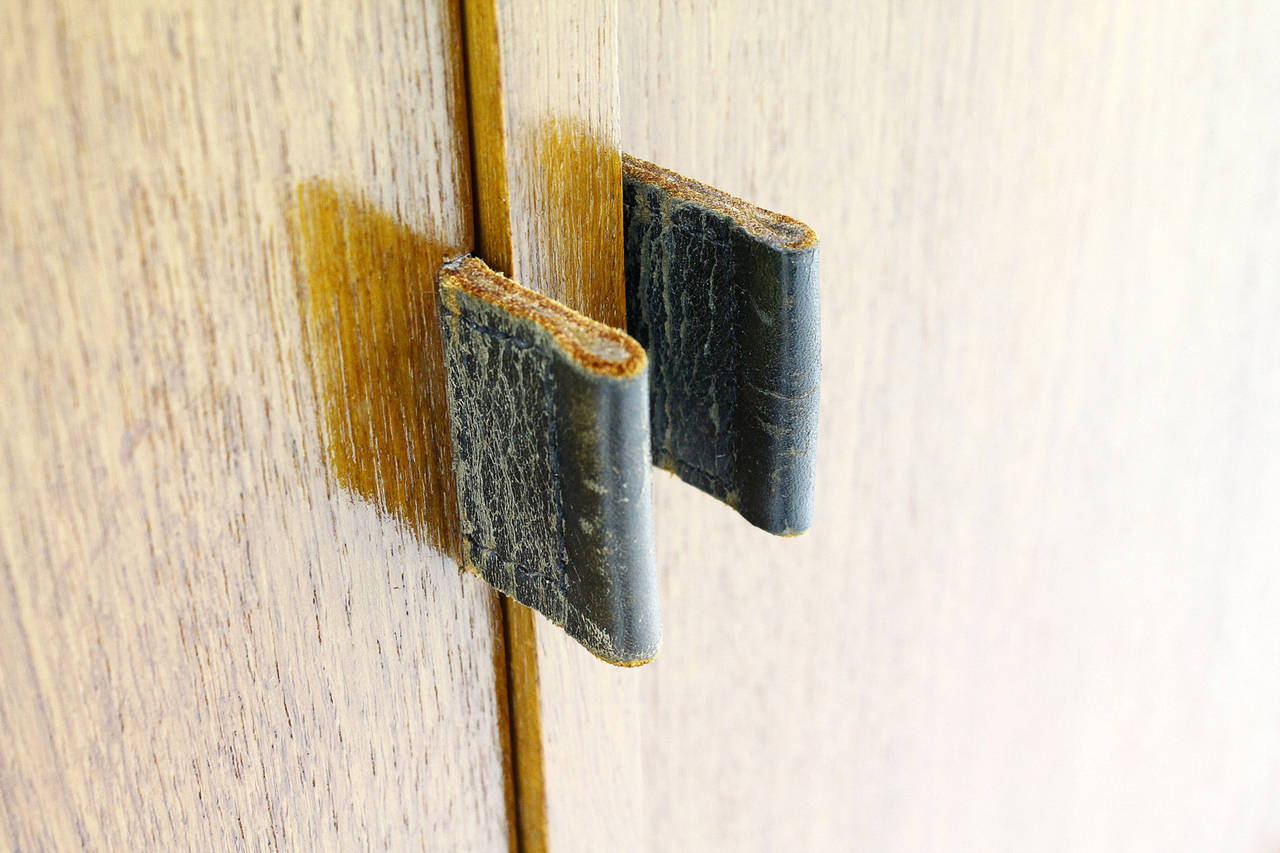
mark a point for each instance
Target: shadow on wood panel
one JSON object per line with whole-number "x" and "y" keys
{"x": 369, "y": 310}
{"x": 579, "y": 234}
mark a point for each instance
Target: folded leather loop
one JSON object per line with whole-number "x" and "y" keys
{"x": 724, "y": 297}
{"x": 549, "y": 415}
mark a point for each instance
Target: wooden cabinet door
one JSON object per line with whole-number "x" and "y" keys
{"x": 225, "y": 617}
{"x": 1037, "y": 610}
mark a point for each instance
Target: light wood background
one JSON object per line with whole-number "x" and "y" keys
{"x": 224, "y": 618}
{"x": 1037, "y": 611}
{"x": 1040, "y": 606}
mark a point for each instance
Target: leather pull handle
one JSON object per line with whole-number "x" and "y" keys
{"x": 555, "y": 417}
{"x": 549, "y": 416}
{"x": 724, "y": 297}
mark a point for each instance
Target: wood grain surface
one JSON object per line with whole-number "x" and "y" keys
{"x": 1038, "y": 607}
{"x": 548, "y": 173}
{"x": 225, "y": 616}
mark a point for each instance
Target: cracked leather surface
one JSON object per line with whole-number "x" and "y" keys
{"x": 724, "y": 297}
{"x": 549, "y": 420}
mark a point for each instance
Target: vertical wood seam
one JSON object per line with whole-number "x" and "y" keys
{"x": 482, "y": 64}
{"x": 516, "y": 668}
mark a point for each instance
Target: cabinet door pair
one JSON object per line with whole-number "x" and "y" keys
{"x": 1035, "y": 607}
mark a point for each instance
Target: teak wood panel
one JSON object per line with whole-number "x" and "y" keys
{"x": 1038, "y": 606}
{"x": 225, "y": 618}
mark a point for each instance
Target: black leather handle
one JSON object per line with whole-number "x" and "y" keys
{"x": 549, "y": 418}
{"x": 553, "y": 416}
{"x": 724, "y": 297}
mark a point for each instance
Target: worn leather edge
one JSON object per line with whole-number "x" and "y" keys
{"x": 745, "y": 429}
{"x": 774, "y": 229}
{"x": 594, "y": 487}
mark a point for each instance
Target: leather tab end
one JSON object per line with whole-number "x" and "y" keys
{"x": 549, "y": 419}
{"x": 724, "y": 297}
